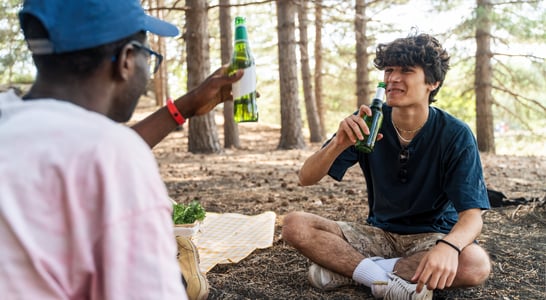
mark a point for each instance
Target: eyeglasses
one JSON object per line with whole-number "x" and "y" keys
{"x": 154, "y": 58}
{"x": 403, "y": 158}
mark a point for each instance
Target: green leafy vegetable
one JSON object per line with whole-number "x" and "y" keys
{"x": 187, "y": 214}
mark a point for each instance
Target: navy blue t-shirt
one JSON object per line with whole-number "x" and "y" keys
{"x": 443, "y": 175}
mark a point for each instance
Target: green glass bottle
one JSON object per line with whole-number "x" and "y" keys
{"x": 374, "y": 121}
{"x": 244, "y": 90}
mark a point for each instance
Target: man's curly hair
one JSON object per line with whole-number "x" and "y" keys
{"x": 416, "y": 50}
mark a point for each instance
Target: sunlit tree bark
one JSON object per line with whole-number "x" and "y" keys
{"x": 231, "y": 130}
{"x": 362, "y": 70}
{"x": 310, "y": 103}
{"x": 291, "y": 127}
{"x": 160, "y": 79}
{"x": 483, "y": 78}
{"x": 318, "y": 66}
{"x": 203, "y": 136}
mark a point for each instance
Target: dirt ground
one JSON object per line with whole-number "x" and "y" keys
{"x": 259, "y": 178}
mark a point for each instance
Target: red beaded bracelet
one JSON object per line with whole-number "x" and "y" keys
{"x": 177, "y": 116}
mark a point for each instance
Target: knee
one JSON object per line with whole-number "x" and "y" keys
{"x": 477, "y": 275}
{"x": 483, "y": 271}
{"x": 476, "y": 267}
{"x": 292, "y": 227}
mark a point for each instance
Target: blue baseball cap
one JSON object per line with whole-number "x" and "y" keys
{"x": 81, "y": 24}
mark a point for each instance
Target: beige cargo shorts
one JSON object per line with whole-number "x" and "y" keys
{"x": 371, "y": 241}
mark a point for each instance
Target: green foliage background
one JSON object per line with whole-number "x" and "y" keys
{"x": 519, "y": 68}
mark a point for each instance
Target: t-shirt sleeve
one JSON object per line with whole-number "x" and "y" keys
{"x": 465, "y": 185}
{"x": 342, "y": 163}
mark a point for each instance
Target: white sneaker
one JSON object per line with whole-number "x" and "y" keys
{"x": 399, "y": 289}
{"x": 327, "y": 280}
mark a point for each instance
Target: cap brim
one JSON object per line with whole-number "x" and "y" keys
{"x": 160, "y": 27}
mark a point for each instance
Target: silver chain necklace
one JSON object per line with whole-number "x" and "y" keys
{"x": 408, "y": 131}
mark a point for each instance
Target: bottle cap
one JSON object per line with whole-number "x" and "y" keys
{"x": 240, "y": 21}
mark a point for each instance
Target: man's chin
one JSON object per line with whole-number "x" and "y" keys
{"x": 121, "y": 118}
{"x": 390, "y": 103}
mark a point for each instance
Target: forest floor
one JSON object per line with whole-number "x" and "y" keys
{"x": 260, "y": 178}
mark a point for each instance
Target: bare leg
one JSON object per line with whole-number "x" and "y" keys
{"x": 474, "y": 266}
{"x": 321, "y": 240}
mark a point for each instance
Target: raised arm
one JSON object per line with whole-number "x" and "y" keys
{"x": 212, "y": 91}
{"x": 318, "y": 164}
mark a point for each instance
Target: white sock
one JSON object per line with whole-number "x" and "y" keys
{"x": 387, "y": 263}
{"x": 368, "y": 271}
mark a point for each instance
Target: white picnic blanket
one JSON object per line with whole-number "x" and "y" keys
{"x": 230, "y": 237}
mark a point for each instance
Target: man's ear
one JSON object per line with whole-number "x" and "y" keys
{"x": 125, "y": 63}
{"x": 434, "y": 86}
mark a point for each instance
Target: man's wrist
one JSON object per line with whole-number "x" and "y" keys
{"x": 449, "y": 244}
{"x": 186, "y": 105}
{"x": 175, "y": 112}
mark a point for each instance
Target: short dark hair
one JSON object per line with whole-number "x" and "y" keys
{"x": 416, "y": 50}
{"x": 81, "y": 63}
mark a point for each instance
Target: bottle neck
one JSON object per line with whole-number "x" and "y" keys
{"x": 376, "y": 104}
{"x": 240, "y": 33}
{"x": 380, "y": 93}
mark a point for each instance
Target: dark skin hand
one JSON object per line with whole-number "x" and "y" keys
{"x": 213, "y": 88}
{"x": 199, "y": 101}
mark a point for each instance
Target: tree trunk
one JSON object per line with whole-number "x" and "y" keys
{"x": 231, "y": 130}
{"x": 291, "y": 131}
{"x": 310, "y": 103}
{"x": 483, "y": 78}
{"x": 203, "y": 136}
{"x": 318, "y": 66}
{"x": 160, "y": 78}
{"x": 362, "y": 71}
